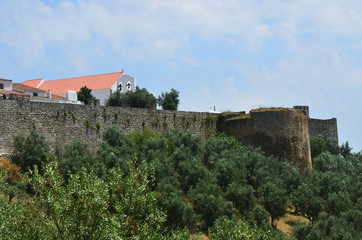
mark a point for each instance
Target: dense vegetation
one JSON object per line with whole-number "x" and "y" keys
{"x": 147, "y": 186}
{"x": 141, "y": 98}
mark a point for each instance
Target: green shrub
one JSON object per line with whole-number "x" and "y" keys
{"x": 226, "y": 229}
{"x": 304, "y": 231}
{"x": 155, "y": 153}
{"x": 116, "y": 151}
{"x": 307, "y": 201}
{"x": 260, "y": 216}
{"x": 274, "y": 200}
{"x": 18, "y": 220}
{"x": 209, "y": 203}
{"x": 140, "y": 98}
{"x": 186, "y": 139}
{"x": 86, "y": 207}
{"x": 241, "y": 196}
{"x": 139, "y": 137}
{"x": 190, "y": 172}
{"x": 317, "y": 146}
{"x": 74, "y": 157}
{"x": 179, "y": 212}
{"x": 219, "y": 144}
{"x": 30, "y": 150}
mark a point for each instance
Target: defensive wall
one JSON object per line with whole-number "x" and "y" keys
{"x": 318, "y": 127}
{"x": 327, "y": 127}
{"x": 280, "y": 132}
{"x": 63, "y": 123}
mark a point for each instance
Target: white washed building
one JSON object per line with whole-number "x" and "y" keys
{"x": 6, "y": 84}
{"x": 102, "y": 85}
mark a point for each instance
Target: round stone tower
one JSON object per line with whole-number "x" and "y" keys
{"x": 280, "y": 132}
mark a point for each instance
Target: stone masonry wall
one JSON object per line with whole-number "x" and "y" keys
{"x": 63, "y": 123}
{"x": 279, "y": 132}
{"x": 319, "y": 127}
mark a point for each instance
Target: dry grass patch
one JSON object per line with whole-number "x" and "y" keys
{"x": 197, "y": 236}
{"x": 286, "y": 223}
{"x": 266, "y": 109}
{"x": 12, "y": 169}
{"x": 241, "y": 116}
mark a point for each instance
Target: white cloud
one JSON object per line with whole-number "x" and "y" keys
{"x": 142, "y": 29}
{"x": 157, "y": 30}
{"x": 162, "y": 31}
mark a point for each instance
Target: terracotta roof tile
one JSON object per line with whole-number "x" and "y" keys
{"x": 56, "y": 97}
{"x": 2, "y": 91}
{"x": 94, "y": 82}
{"x": 33, "y": 83}
{"x": 23, "y": 87}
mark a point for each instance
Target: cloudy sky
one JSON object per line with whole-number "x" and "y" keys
{"x": 232, "y": 54}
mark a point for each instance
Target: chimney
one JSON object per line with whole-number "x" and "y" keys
{"x": 49, "y": 93}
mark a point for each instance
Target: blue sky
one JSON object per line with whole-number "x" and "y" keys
{"x": 235, "y": 55}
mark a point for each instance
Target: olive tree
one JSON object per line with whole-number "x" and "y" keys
{"x": 169, "y": 100}
{"x": 30, "y": 150}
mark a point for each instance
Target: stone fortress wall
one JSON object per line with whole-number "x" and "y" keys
{"x": 319, "y": 127}
{"x": 63, "y": 123}
{"x": 278, "y": 131}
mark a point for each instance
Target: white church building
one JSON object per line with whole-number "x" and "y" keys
{"x": 102, "y": 85}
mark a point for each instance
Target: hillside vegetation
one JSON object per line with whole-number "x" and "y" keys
{"x": 147, "y": 186}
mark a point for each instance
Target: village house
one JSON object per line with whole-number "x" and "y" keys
{"x": 102, "y": 85}
{"x": 33, "y": 92}
{"x": 8, "y": 88}
{"x": 5, "y": 84}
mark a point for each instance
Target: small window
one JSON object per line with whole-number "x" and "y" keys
{"x": 1, "y": 86}
{"x": 35, "y": 94}
{"x": 129, "y": 86}
{"x": 120, "y": 87}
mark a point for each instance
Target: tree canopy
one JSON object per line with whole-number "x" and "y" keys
{"x": 169, "y": 100}
{"x": 324, "y": 143}
{"x": 140, "y": 98}
{"x": 151, "y": 186}
{"x": 85, "y": 95}
{"x": 30, "y": 150}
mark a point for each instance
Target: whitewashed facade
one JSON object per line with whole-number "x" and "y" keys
{"x": 6, "y": 84}
{"x": 124, "y": 83}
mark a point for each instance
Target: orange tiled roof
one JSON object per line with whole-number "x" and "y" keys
{"x": 23, "y": 87}
{"x": 58, "y": 97}
{"x": 94, "y": 82}
{"x": 2, "y": 91}
{"x": 33, "y": 83}
{"x": 55, "y": 97}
